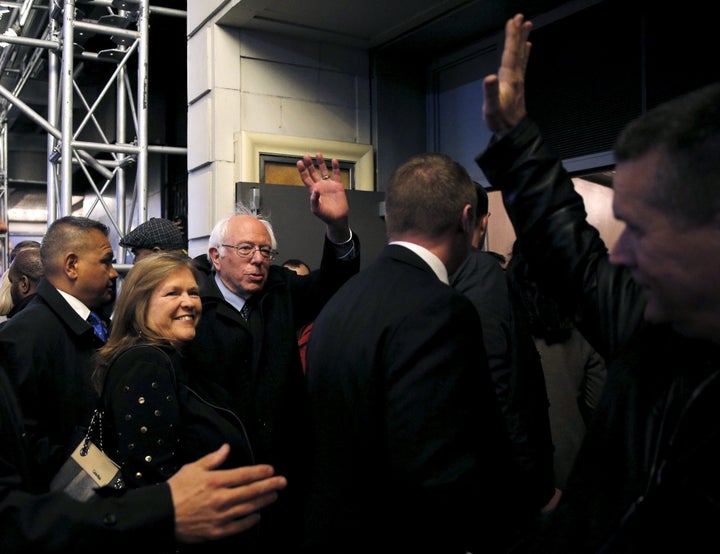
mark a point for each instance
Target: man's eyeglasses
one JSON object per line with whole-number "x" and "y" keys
{"x": 247, "y": 251}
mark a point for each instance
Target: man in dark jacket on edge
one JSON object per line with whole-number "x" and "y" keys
{"x": 251, "y": 363}
{"x": 646, "y": 478}
{"x": 515, "y": 368}
{"x": 410, "y": 452}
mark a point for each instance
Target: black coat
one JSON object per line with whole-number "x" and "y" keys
{"x": 47, "y": 350}
{"x": 258, "y": 374}
{"x": 517, "y": 374}
{"x": 409, "y": 444}
{"x": 154, "y": 424}
{"x": 20, "y": 305}
{"x": 646, "y": 477}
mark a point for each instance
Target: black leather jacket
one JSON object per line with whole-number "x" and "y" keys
{"x": 646, "y": 478}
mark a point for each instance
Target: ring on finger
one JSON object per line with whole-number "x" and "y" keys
{"x": 326, "y": 177}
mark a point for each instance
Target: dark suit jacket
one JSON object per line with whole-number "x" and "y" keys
{"x": 47, "y": 351}
{"x": 407, "y": 433}
{"x": 259, "y": 375}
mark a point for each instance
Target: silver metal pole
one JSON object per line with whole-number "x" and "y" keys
{"x": 87, "y": 158}
{"x": 142, "y": 108}
{"x": 52, "y": 113}
{"x": 66, "y": 79}
{"x": 120, "y": 181}
{"x": 5, "y": 236}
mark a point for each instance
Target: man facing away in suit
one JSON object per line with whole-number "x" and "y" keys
{"x": 408, "y": 441}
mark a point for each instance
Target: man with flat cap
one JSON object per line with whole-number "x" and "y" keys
{"x": 155, "y": 235}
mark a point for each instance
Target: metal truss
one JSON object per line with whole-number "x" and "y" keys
{"x": 79, "y": 147}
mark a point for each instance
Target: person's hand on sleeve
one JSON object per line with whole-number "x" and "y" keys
{"x": 211, "y": 503}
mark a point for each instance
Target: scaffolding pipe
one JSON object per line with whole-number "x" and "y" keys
{"x": 103, "y": 147}
{"x": 26, "y": 41}
{"x": 63, "y": 151}
{"x": 160, "y": 10}
{"x": 142, "y": 111}
{"x": 179, "y": 150}
{"x": 4, "y": 237}
{"x": 42, "y": 122}
{"x": 53, "y": 79}
{"x": 39, "y": 120}
{"x": 120, "y": 185}
{"x": 106, "y": 30}
{"x": 66, "y": 76}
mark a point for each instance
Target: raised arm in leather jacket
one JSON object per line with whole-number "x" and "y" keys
{"x": 646, "y": 476}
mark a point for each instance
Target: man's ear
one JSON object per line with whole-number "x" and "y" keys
{"x": 483, "y": 223}
{"x": 24, "y": 283}
{"x": 214, "y": 255}
{"x": 70, "y": 266}
{"x": 467, "y": 220}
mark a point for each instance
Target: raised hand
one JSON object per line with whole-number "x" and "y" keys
{"x": 504, "y": 102}
{"x": 328, "y": 200}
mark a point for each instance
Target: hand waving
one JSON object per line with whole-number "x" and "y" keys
{"x": 504, "y": 103}
{"x": 328, "y": 200}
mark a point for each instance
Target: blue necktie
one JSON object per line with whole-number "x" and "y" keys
{"x": 97, "y": 324}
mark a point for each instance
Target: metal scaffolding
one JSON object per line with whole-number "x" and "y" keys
{"x": 80, "y": 145}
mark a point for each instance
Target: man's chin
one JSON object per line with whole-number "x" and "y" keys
{"x": 255, "y": 285}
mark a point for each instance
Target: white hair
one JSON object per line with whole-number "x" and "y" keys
{"x": 219, "y": 232}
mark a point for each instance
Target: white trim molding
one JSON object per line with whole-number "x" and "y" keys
{"x": 249, "y": 146}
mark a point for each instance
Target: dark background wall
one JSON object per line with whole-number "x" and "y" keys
{"x": 299, "y": 233}
{"x": 591, "y": 71}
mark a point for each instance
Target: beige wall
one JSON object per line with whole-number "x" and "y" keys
{"x": 598, "y": 204}
{"x": 242, "y": 81}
